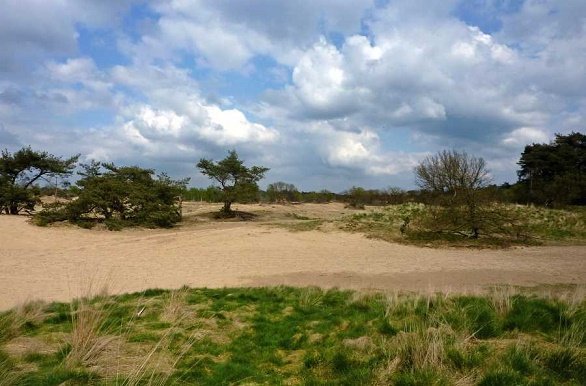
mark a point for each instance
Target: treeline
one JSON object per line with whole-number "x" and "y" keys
{"x": 552, "y": 175}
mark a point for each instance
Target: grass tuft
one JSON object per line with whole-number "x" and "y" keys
{"x": 87, "y": 342}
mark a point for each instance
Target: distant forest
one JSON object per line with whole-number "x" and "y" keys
{"x": 551, "y": 175}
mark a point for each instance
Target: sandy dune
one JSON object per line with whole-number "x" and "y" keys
{"x": 58, "y": 263}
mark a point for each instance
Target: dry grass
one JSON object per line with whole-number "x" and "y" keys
{"x": 174, "y": 307}
{"x": 87, "y": 339}
{"x": 423, "y": 349}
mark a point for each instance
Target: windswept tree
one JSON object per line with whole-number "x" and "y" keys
{"x": 237, "y": 181}
{"x": 120, "y": 196}
{"x": 21, "y": 171}
{"x": 456, "y": 179}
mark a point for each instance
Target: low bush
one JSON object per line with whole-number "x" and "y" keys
{"x": 119, "y": 197}
{"x": 500, "y": 225}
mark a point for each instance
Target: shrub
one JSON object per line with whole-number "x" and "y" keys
{"x": 119, "y": 196}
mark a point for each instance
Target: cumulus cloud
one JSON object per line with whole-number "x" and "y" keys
{"x": 444, "y": 79}
{"x": 404, "y": 78}
{"x": 353, "y": 90}
{"x": 280, "y": 29}
{"x": 220, "y": 127}
{"x": 524, "y": 136}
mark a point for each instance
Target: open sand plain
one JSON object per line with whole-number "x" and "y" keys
{"x": 63, "y": 262}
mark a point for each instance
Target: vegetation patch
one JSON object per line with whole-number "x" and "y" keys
{"x": 518, "y": 225}
{"x": 285, "y": 335}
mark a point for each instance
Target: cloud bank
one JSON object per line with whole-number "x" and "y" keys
{"x": 326, "y": 93}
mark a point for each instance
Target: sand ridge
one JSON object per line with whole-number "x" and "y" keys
{"x": 59, "y": 263}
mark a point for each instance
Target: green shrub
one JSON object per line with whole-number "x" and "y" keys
{"x": 114, "y": 224}
{"x": 120, "y": 197}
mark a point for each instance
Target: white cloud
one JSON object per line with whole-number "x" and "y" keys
{"x": 359, "y": 150}
{"x": 151, "y": 127}
{"x": 231, "y": 127}
{"x": 347, "y": 75}
{"x": 226, "y": 35}
{"x": 525, "y": 136}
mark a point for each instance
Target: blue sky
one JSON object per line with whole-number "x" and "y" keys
{"x": 327, "y": 93}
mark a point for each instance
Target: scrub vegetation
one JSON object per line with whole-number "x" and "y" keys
{"x": 420, "y": 224}
{"x": 310, "y": 336}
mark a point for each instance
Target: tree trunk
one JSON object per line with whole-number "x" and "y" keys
{"x": 13, "y": 209}
{"x": 226, "y": 209}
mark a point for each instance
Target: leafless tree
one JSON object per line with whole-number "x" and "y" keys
{"x": 456, "y": 178}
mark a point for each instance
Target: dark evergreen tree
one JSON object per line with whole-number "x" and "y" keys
{"x": 554, "y": 174}
{"x": 237, "y": 181}
{"x": 120, "y": 196}
{"x": 20, "y": 171}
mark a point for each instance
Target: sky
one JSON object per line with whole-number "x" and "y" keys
{"x": 326, "y": 93}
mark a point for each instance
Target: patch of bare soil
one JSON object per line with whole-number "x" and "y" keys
{"x": 63, "y": 262}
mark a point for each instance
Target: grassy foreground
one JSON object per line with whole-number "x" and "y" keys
{"x": 285, "y": 335}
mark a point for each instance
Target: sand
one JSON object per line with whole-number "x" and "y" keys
{"x": 60, "y": 263}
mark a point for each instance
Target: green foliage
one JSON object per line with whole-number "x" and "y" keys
{"x": 21, "y": 170}
{"x": 427, "y": 377}
{"x": 554, "y": 174}
{"x": 282, "y": 192}
{"x": 567, "y": 364}
{"x": 483, "y": 320}
{"x": 501, "y": 377}
{"x": 322, "y": 197}
{"x": 238, "y": 182}
{"x": 209, "y": 194}
{"x": 357, "y": 197}
{"x": 120, "y": 196}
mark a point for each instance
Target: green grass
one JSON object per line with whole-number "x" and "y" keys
{"x": 309, "y": 336}
{"x": 525, "y": 225}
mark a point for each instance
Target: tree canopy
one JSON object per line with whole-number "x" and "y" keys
{"x": 237, "y": 181}
{"x": 20, "y": 171}
{"x": 121, "y": 196}
{"x": 554, "y": 173}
